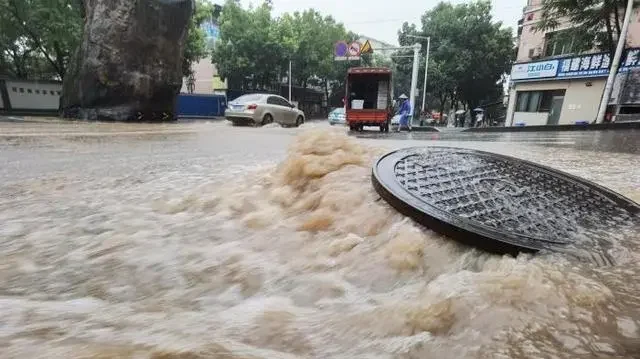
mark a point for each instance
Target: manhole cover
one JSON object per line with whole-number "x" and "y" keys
{"x": 500, "y": 203}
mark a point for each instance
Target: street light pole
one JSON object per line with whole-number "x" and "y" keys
{"x": 426, "y": 68}
{"x": 614, "y": 65}
{"x": 426, "y": 72}
{"x": 414, "y": 76}
{"x": 289, "y": 80}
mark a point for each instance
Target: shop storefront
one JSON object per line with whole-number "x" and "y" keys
{"x": 562, "y": 90}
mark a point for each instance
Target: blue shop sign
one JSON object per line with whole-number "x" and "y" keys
{"x": 584, "y": 66}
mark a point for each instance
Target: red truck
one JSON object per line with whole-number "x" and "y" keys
{"x": 368, "y": 98}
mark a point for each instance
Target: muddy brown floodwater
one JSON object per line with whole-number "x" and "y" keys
{"x": 202, "y": 240}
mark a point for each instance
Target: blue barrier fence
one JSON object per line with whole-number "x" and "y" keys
{"x": 201, "y": 106}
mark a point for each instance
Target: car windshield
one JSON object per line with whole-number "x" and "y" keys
{"x": 338, "y": 111}
{"x": 248, "y": 98}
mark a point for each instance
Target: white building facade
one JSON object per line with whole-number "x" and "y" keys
{"x": 553, "y": 85}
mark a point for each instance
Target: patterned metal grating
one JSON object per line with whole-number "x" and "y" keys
{"x": 499, "y": 198}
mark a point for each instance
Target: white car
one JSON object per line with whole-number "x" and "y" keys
{"x": 262, "y": 109}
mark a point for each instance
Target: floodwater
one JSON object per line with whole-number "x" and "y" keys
{"x": 203, "y": 240}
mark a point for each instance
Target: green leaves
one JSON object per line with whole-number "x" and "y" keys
{"x": 39, "y": 36}
{"x": 594, "y": 21}
{"x": 255, "y": 49}
{"x": 469, "y": 52}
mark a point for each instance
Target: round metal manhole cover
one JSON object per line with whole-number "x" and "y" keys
{"x": 501, "y": 203}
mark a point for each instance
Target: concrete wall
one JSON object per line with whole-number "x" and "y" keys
{"x": 530, "y": 118}
{"x": 580, "y": 101}
{"x": 204, "y": 71}
{"x": 34, "y": 95}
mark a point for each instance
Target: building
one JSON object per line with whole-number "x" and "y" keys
{"x": 553, "y": 84}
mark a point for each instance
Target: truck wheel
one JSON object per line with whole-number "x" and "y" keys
{"x": 352, "y": 128}
{"x": 381, "y": 128}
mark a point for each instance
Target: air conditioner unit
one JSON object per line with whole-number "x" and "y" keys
{"x": 536, "y": 53}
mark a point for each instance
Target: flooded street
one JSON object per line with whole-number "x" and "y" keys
{"x": 203, "y": 240}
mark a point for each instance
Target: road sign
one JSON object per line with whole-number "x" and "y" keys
{"x": 366, "y": 48}
{"x": 354, "y": 49}
{"x": 341, "y": 49}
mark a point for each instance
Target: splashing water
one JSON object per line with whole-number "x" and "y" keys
{"x": 297, "y": 260}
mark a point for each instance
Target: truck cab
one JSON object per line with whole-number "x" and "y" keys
{"x": 368, "y": 98}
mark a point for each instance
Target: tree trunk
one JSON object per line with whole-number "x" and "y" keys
{"x": 304, "y": 97}
{"x": 616, "y": 9}
{"x": 326, "y": 93}
{"x": 443, "y": 102}
{"x": 611, "y": 44}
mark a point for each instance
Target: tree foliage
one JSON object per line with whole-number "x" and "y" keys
{"x": 38, "y": 37}
{"x": 255, "y": 48}
{"x": 593, "y": 21}
{"x": 196, "y": 45}
{"x": 469, "y": 53}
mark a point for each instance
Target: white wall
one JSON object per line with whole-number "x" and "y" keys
{"x": 581, "y": 102}
{"x": 581, "y": 99}
{"x": 203, "y": 72}
{"x": 33, "y": 95}
{"x": 530, "y": 118}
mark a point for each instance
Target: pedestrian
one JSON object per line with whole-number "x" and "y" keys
{"x": 405, "y": 111}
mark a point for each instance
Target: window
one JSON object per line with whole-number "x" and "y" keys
{"x": 14, "y": 89}
{"x": 29, "y": 91}
{"x": 37, "y": 91}
{"x": 52, "y": 92}
{"x": 536, "y": 101}
{"x": 566, "y": 42}
{"x": 278, "y": 101}
{"x": 21, "y": 90}
{"x": 58, "y": 93}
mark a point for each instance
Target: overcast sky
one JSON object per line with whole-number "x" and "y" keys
{"x": 381, "y": 19}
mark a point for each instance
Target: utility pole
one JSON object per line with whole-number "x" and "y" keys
{"x": 426, "y": 73}
{"x": 426, "y": 68}
{"x": 289, "y": 80}
{"x": 615, "y": 63}
{"x": 414, "y": 77}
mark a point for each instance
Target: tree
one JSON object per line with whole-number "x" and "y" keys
{"x": 38, "y": 37}
{"x": 254, "y": 49}
{"x": 594, "y": 22}
{"x": 43, "y": 31}
{"x": 469, "y": 52}
{"x": 196, "y": 46}
{"x": 249, "y": 53}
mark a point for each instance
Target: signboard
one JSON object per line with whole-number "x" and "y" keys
{"x": 344, "y": 51}
{"x": 366, "y": 48}
{"x": 354, "y": 49}
{"x": 585, "y": 66}
{"x": 534, "y": 70}
{"x": 579, "y": 66}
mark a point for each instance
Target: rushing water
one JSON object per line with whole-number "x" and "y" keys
{"x": 208, "y": 241}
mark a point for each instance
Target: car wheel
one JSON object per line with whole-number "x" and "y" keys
{"x": 267, "y": 119}
{"x": 299, "y": 121}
